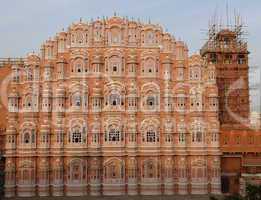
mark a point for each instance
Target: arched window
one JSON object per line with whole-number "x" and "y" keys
{"x": 150, "y": 65}
{"x": 26, "y": 138}
{"x": 241, "y": 59}
{"x": 180, "y": 73}
{"x": 198, "y": 171}
{"x": 95, "y": 138}
{"x": 196, "y": 99}
{"x": 76, "y": 169}
{"x": 114, "y": 135}
{"x": 194, "y": 73}
{"x": 95, "y": 130}
{"x": 76, "y": 135}
{"x": 150, "y": 133}
{"x": 149, "y": 37}
{"x": 215, "y": 169}
{"x": 115, "y": 99}
{"x": 29, "y": 74}
{"x": 150, "y": 97}
{"x": 79, "y": 38}
{"x": 78, "y": 66}
{"x": 61, "y": 45}
{"x": 181, "y": 137}
{"x": 214, "y": 137}
{"x": 151, "y": 101}
{"x": 94, "y": 170}
{"x": 181, "y": 102}
{"x": 9, "y": 173}
{"x": 149, "y": 169}
{"x": 197, "y": 136}
{"x": 228, "y": 59}
{"x": 115, "y": 64}
{"x": 50, "y": 52}
{"x": 75, "y": 173}
{"x": 76, "y": 99}
{"x": 97, "y": 32}
{"x": 114, "y": 68}
{"x": 132, "y": 169}
{"x": 114, "y": 96}
{"x": 132, "y": 35}
{"x": 28, "y": 102}
{"x": 213, "y": 103}
{"x": 132, "y": 137}
{"x": 168, "y": 138}
{"x": 182, "y": 172}
{"x": 168, "y": 169}
{"x": 113, "y": 171}
{"x": 115, "y": 34}
{"x": 26, "y": 173}
{"x": 151, "y": 136}
{"x": 57, "y": 172}
{"x": 72, "y": 38}
{"x": 197, "y": 133}
{"x": 212, "y": 75}
{"x": 181, "y": 132}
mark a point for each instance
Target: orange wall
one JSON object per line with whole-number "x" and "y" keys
{"x": 241, "y": 141}
{"x": 4, "y": 72}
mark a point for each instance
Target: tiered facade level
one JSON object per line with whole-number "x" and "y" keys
{"x": 112, "y": 107}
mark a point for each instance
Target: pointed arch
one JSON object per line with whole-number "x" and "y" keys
{"x": 77, "y": 131}
{"x": 150, "y": 96}
{"x": 197, "y": 129}
{"x": 150, "y": 129}
{"x": 26, "y": 172}
{"x": 28, "y": 133}
{"x": 150, "y": 169}
{"x": 114, "y": 131}
{"x": 77, "y": 171}
{"x": 114, "y": 170}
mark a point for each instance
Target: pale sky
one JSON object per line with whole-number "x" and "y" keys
{"x": 25, "y": 24}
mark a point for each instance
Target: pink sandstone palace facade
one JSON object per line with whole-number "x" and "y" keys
{"x": 112, "y": 107}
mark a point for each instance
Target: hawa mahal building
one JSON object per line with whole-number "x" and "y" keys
{"x": 116, "y": 107}
{"x": 112, "y": 107}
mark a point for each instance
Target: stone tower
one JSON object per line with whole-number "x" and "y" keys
{"x": 228, "y": 51}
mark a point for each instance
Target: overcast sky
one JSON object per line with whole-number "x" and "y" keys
{"x": 25, "y": 24}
